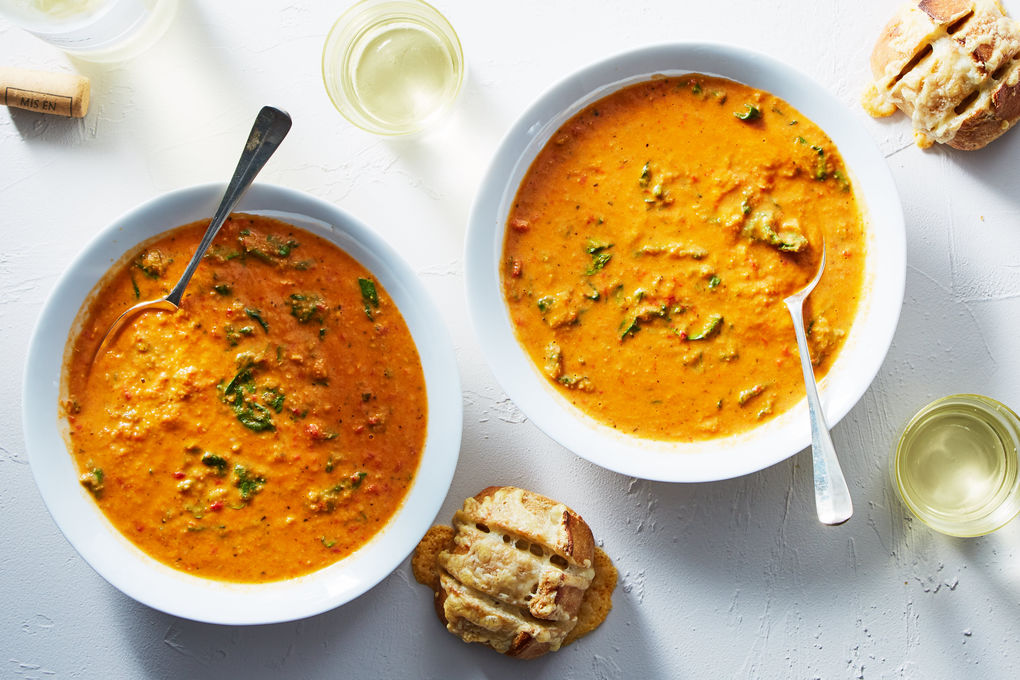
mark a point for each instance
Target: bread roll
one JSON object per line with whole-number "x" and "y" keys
{"x": 953, "y": 66}
{"x": 595, "y": 605}
{"x": 514, "y": 573}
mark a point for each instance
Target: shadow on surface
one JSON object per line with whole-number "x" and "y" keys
{"x": 319, "y": 646}
{"x": 470, "y": 130}
{"x": 332, "y": 644}
{"x": 994, "y": 165}
{"x": 178, "y": 90}
{"x": 42, "y": 128}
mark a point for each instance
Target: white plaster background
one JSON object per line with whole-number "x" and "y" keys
{"x": 733, "y": 579}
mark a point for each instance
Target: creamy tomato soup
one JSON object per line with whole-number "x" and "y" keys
{"x": 650, "y": 246}
{"x": 269, "y": 427}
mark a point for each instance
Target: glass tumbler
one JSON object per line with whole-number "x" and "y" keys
{"x": 94, "y": 30}
{"x": 392, "y": 67}
{"x": 956, "y": 465}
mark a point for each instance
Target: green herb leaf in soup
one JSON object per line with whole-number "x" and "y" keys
{"x": 369, "y": 296}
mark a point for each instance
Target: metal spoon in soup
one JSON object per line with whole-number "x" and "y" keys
{"x": 832, "y": 497}
{"x": 270, "y": 127}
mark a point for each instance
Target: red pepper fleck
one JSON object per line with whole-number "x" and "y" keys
{"x": 179, "y": 475}
{"x": 359, "y": 428}
{"x": 216, "y": 505}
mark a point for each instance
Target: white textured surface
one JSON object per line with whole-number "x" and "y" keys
{"x": 733, "y": 579}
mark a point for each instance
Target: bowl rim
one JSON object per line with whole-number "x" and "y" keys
{"x": 779, "y": 438}
{"x": 155, "y": 584}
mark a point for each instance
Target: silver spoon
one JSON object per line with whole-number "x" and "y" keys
{"x": 271, "y": 126}
{"x": 832, "y": 497}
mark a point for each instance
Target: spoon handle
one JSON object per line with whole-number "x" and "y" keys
{"x": 832, "y": 497}
{"x": 271, "y": 126}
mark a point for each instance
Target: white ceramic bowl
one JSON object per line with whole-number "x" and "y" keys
{"x": 721, "y": 458}
{"x": 172, "y": 591}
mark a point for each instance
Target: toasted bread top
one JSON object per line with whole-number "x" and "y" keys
{"x": 514, "y": 572}
{"x": 953, "y": 67}
{"x": 534, "y": 518}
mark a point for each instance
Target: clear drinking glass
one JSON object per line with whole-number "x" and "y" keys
{"x": 392, "y": 67}
{"x": 95, "y": 30}
{"x": 956, "y": 465}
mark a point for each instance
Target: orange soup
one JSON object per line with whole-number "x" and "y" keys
{"x": 269, "y": 427}
{"x": 650, "y": 246}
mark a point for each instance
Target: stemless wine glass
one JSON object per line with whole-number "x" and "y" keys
{"x": 94, "y": 30}
{"x": 392, "y": 67}
{"x": 956, "y": 465}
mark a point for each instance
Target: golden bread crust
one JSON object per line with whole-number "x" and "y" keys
{"x": 423, "y": 559}
{"x": 598, "y": 599}
{"x": 953, "y": 66}
{"x": 944, "y": 11}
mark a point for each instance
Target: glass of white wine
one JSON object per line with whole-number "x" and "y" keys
{"x": 392, "y": 67}
{"x": 956, "y": 465}
{"x": 95, "y": 30}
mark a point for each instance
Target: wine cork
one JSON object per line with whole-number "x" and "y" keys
{"x": 58, "y": 94}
